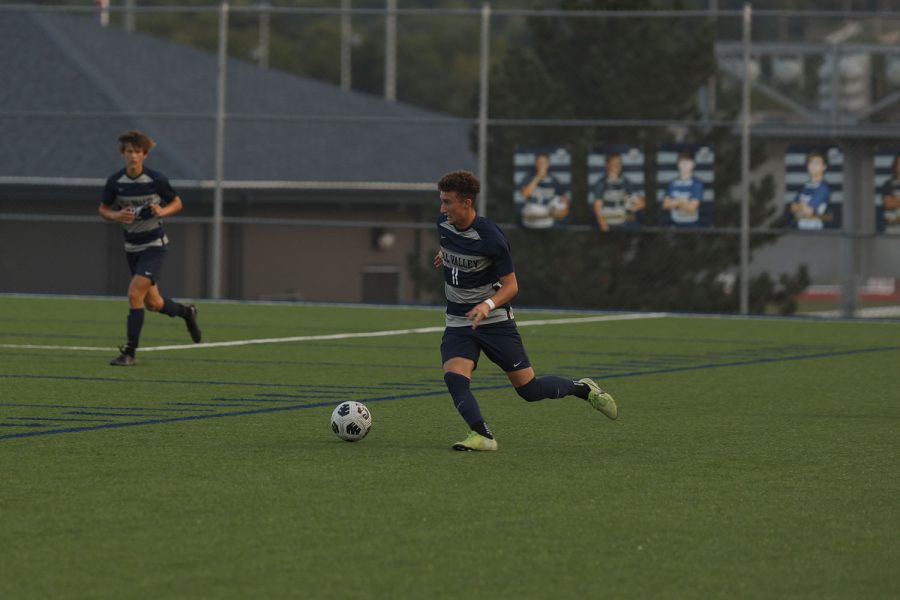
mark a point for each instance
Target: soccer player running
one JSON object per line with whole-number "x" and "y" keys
{"x": 139, "y": 198}
{"x": 479, "y": 282}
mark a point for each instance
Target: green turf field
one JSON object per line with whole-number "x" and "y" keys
{"x": 751, "y": 458}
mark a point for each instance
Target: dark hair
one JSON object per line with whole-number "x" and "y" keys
{"x": 463, "y": 183}
{"x": 613, "y": 155}
{"x": 819, "y": 154}
{"x": 685, "y": 154}
{"x": 137, "y": 139}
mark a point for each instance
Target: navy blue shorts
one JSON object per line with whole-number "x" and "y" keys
{"x": 500, "y": 342}
{"x": 148, "y": 263}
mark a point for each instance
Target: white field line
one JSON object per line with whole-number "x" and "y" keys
{"x": 342, "y": 336}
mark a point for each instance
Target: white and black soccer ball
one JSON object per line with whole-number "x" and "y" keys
{"x": 351, "y": 421}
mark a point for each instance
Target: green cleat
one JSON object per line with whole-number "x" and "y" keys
{"x": 601, "y": 400}
{"x": 475, "y": 441}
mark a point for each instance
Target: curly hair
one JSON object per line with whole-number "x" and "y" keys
{"x": 137, "y": 139}
{"x": 463, "y": 183}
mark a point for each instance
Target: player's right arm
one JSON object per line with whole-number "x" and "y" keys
{"x": 598, "y": 214}
{"x": 509, "y": 287}
{"x": 528, "y": 189}
{"x": 108, "y": 201}
{"x": 123, "y": 215}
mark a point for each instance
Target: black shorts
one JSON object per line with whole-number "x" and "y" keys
{"x": 148, "y": 263}
{"x": 500, "y": 342}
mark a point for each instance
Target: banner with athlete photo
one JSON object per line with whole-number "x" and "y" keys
{"x": 684, "y": 185}
{"x": 543, "y": 177}
{"x": 616, "y": 186}
{"x": 887, "y": 190}
{"x": 814, "y": 187}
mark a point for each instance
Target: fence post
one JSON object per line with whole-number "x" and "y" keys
{"x": 745, "y": 165}
{"x": 483, "y": 88}
{"x": 390, "y": 51}
{"x": 346, "y": 41}
{"x": 215, "y": 262}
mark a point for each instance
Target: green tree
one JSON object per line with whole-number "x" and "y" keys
{"x": 617, "y": 68}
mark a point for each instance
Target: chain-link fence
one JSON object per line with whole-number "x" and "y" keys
{"x": 717, "y": 159}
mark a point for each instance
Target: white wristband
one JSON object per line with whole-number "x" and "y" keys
{"x": 490, "y": 302}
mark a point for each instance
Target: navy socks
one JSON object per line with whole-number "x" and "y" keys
{"x": 133, "y": 325}
{"x": 172, "y": 308}
{"x": 466, "y": 404}
{"x": 550, "y": 386}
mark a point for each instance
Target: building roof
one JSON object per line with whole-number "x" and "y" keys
{"x": 60, "y": 65}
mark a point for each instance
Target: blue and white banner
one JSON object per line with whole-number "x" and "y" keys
{"x": 616, "y": 186}
{"x": 543, "y": 179}
{"x": 684, "y": 185}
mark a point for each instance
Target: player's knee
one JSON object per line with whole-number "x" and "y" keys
{"x": 531, "y": 391}
{"x": 136, "y": 296}
{"x": 456, "y": 382}
{"x": 154, "y": 304}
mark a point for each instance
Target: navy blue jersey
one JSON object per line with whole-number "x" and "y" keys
{"x": 537, "y": 212}
{"x": 615, "y": 194}
{"x": 150, "y": 187}
{"x": 474, "y": 261}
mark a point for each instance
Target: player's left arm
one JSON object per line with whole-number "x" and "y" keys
{"x": 173, "y": 207}
{"x": 509, "y": 287}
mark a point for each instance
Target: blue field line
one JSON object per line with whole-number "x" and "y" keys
{"x": 257, "y": 411}
{"x": 106, "y": 414}
{"x": 20, "y": 425}
{"x": 311, "y": 394}
{"x": 95, "y": 407}
{"x": 59, "y": 419}
{"x": 208, "y": 403}
{"x": 168, "y": 381}
{"x": 255, "y": 398}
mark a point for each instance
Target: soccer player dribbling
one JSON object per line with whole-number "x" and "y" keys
{"x": 480, "y": 282}
{"x": 138, "y": 198}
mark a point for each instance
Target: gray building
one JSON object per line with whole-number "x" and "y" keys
{"x": 314, "y": 176}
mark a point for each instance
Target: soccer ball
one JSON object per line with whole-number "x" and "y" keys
{"x": 351, "y": 421}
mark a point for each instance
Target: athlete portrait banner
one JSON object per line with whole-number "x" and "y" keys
{"x": 543, "y": 177}
{"x": 814, "y": 187}
{"x": 684, "y": 185}
{"x": 616, "y": 186}
{"x": 887, "y": 190}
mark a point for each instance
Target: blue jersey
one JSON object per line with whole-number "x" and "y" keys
{"x": 150, "y": 187}
{"x": 474, "y": 261}
{"x": 814, "y": 195}
{"x": 685, "y": 189}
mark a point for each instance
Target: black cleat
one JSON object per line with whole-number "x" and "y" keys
{"x": 190, "y": 319}
{"x": 124, "y": 359}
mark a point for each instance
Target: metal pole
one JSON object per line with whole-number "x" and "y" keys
{"x": 853, "y": 186}
{"x": 483, "y": 87}
{"x": 215, "y": 286}
{"x": 129, "y": 16}
{"x": 390, "y": 51}
{"x": 346, "y": 40}
{"x": 711, "y": 82}
{"x": 264, "y": 35}
{"x": 745, "y": 165}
